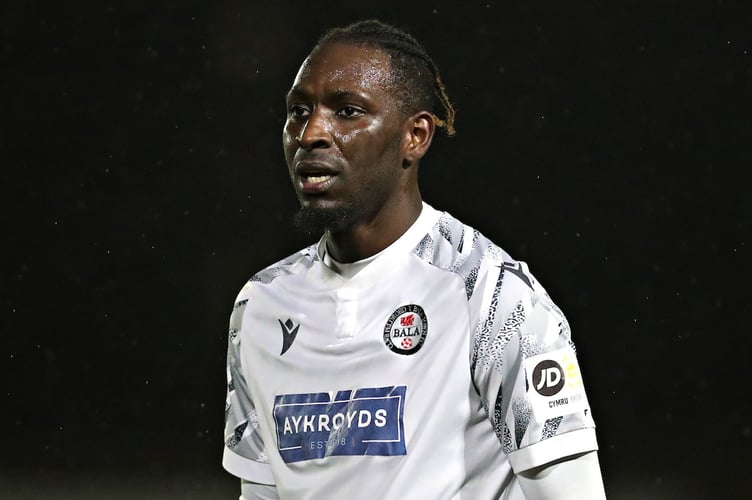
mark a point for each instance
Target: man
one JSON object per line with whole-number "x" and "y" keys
{"x": 404, "y": 356}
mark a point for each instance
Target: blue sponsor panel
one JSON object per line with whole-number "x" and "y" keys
{"x": 353, "y": 422}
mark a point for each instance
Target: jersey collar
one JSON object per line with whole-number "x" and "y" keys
{"x": 364, "y": 273}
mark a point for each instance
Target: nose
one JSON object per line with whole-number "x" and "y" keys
{"x": 314, "y": 133}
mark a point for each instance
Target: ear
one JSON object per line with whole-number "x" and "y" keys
{"x": 418, "y": 134}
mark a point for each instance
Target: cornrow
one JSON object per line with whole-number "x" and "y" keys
{"x": 412, "y": 69}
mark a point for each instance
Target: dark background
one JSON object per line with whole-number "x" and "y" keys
{"x": 607, "y": 144}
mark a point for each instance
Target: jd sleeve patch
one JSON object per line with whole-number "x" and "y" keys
{"x": 554, "y": 384}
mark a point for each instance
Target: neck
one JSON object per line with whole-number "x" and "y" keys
{"x": 368, "y": 238}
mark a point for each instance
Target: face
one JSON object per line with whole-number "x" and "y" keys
{"x": 343, "y": 136}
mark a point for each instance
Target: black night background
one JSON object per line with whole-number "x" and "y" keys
{"x": 604, "y": 143}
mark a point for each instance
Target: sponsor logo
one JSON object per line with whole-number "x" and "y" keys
{"x": 555, "y": 385}
{"x": 406, "y": 329}
{"x": 548, "y": 377}
{"x": 366, "y": 421}
{"x": 289, "y": 332}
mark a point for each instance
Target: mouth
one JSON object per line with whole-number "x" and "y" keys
{"x": 314, "y": 178}
{"x": 316, "y": 184}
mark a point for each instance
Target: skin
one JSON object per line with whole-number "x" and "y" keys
{"x": 349, "y": 147}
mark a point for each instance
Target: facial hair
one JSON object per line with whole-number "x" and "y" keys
{"x": 314, "y": 221}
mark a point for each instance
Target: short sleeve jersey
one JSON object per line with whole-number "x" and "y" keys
{"x": 439, "y": 370}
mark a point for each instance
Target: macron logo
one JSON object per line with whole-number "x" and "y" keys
{"x": 289, "y": 332}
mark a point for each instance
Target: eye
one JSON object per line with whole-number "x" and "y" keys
{"x": 350, "y": 112}
{"x": 298, "y": 111}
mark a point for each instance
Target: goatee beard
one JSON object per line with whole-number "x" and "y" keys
{"x": 314, "y": 221}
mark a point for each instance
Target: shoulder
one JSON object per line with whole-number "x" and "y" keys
{"x": 296, "y": 263}
{"x": 456, "y": 247}
{"x": 485, "y": 267}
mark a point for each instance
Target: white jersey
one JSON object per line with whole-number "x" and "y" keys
{"x": 438, "y": 370}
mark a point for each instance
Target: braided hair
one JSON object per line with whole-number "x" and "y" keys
{"x": 413, "y": 71}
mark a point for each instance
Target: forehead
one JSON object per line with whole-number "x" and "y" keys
{"x": 344, "y": 67}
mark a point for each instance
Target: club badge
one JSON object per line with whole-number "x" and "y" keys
{"x": 406, "y": 329}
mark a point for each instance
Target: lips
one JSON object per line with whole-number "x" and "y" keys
{"x": 316, "y": 184}
{"x": 314, "y": 177}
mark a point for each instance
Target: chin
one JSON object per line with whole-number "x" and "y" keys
{"x": 315, "y": 219}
